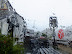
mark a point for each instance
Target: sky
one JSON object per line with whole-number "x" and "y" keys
{"x": 37, "y": 12}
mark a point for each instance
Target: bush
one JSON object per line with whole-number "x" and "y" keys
{"x": 18, "y": 49}
{"x": 44, "y": 35}
{"x": 6, "y": 45}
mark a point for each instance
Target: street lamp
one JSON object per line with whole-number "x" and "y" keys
{"x": 52, "y": 24}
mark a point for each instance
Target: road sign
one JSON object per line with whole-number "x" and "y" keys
{"x": 60, "y": 34}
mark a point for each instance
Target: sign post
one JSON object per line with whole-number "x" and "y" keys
{"x": 52, "y": 24}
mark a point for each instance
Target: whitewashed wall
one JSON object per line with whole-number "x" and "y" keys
{"x": 4, "y": 29}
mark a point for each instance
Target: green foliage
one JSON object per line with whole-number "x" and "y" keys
{"x": 44, "y": 35}
{"x": 18, "y": 49}
{"x": 6, "y": 45}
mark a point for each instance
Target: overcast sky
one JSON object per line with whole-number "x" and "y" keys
{"x": 37, "y": 12}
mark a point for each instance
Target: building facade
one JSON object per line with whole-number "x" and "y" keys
{"x": 11, "y": 21}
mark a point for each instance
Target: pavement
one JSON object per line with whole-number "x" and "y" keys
{"x": 49, "y": 50}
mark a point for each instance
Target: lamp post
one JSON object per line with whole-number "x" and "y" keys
{"x": 52, "y": 24}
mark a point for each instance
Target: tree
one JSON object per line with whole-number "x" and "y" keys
{"x": 44, "y": 35}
